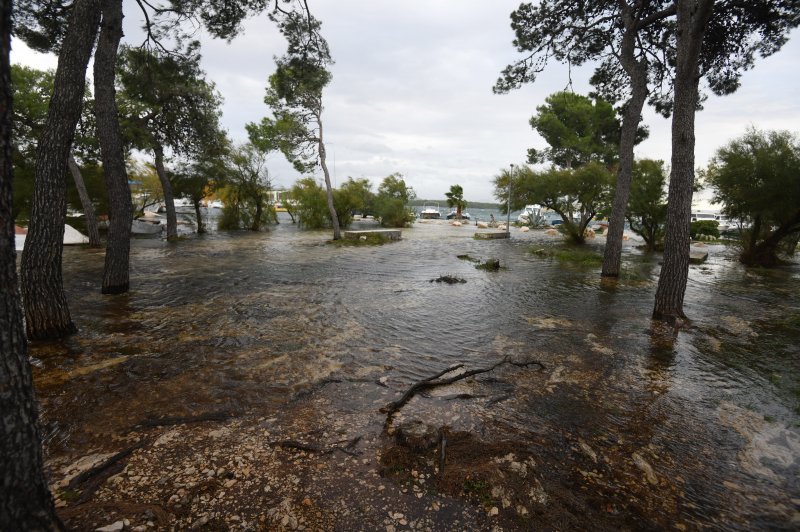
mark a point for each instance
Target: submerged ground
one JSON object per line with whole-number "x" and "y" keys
{"x": 239, "y": 386}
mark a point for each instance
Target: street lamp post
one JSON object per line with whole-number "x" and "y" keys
{"x": 508, "y": 201}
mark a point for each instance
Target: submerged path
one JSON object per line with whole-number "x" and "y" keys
{"x": 239, "y": 386}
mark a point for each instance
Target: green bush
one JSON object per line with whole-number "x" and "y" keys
{"x": 392, "y": 200}
{"x": 704, "y": 228}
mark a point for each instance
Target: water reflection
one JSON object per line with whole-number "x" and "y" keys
{"x": 242, "y": 323}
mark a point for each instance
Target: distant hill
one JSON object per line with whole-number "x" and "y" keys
{"x": 443, "y": 203}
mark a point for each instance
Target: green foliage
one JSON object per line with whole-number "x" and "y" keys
{"x": 294, "y": 94}
{"x": 165, "y": 101}
{"x": 455, "y": 199}
{"x": 704, "y": 228}
{"x": 353, "y": 196}
{"x": 32, "y": 91}
{"x": 577, "y": 195}
{"x": 647, "y": 205}
{"x": 757, "y": 179}
{"x": 310, "y": 203}
{"x": 575, "y": 33}
{"x": 577, "y": 129}
{"x": 573, "y": 255}
{"x": 246, "y": 184}
{"x": 391, "y": 202}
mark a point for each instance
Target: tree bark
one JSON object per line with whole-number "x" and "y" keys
{"x": 169, "y": 198}
{"x": 86, "y": 202}
{"x": 334, "y": 217}
{"x": 200, "y": 226}
{"x": 25, "y": 501}
{"x": 256, "y": 225}
{"x": 691, "y": 22}
{"x": 116, "y": 273}
{"x": 637, "y": 73}
{"x": 46, "y": 310}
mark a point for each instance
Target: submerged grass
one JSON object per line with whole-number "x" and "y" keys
{"x": 574, "y": 255}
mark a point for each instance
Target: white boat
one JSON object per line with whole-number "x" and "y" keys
{"x": 454, "y": 215}
{"x": 216, "y": 204}
{"x": 147, "y": 226}
{"x": 429, "y": 212}
{"x": 71, "y": 237}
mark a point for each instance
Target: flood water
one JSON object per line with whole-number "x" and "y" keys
{"x": 700, "y": 432}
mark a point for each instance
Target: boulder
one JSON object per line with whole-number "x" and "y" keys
{"x": 417, "y": 436}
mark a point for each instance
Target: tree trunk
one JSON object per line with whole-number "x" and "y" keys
{"x": 169, "y": 199}
{"x": 86, "y": 202}
{"x": 691, "y": 22}
{"x": 46, "y": 310}
{"x": 25, "y": 501}
{"x": 334, "y": 217}
{"x": 765, "y": 253}
{"x": 116, "y": 273}
{"x": 200, "y": 226}
{"x": 637, "y": 73}
{"x": 256, "y": 225}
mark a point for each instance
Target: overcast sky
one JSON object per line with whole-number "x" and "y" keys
{"x": 412, "y": 92}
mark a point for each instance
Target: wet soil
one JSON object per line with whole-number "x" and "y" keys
{"x": 239, "y": 386}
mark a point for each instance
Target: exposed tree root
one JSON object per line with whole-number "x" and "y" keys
{"x": 105, "y": 466}
{"x": 431, "y": 382}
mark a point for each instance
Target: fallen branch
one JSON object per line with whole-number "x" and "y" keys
{"x": 436, "y": 380}
{"x": 105, "y": 465}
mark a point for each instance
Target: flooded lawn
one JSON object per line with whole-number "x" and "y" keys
{"x": 242, "y": 381}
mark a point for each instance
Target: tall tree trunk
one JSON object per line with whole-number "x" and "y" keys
{"x": 200, "y": 225}
{"x": 334, "y": 217}
{"x": 116, "y": 273}
{"x": 637, "y": 74}
{"x": 25, "y": 501}
{"x": 46, "y": 310}
{"x": 169, "y": 199}
{"x": 256, "y": 225}
{"x": 86, "y": 202}
{"x": 691, "y": 22}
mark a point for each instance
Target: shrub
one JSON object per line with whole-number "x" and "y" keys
{"x": 704, "y": 228}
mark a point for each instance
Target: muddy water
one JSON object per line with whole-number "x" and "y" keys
{"x": 624, "y": 424}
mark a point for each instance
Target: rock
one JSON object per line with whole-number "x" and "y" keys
{"x": 494, "y": 511}
{"x": 552, "y": 232}
{"x": 524, "y": 229}
{"x": 456, "y": 224}
{"x": 646, "y": 468}
{"x": 113, "y": 527}
{"x": 417, "y": 436}
{"x": 588, "y": 233}
{"x": 363, "y": 238}
{"x": 203, "y": 521}
{"x": 483, "y": 225}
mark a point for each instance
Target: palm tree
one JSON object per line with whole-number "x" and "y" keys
{"x": 455, "y": 198}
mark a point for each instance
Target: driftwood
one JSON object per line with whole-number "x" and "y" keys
{"x": 436, "y": 380}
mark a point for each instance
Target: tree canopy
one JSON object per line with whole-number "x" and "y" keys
{"x": 577, "y": 130}
{"x": 455, "y": 199}
{"x": 756, "y": 178}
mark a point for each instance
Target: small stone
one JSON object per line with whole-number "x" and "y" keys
{"x": 203, "y": 521}
{"x": 390, "y": 528}
{"x": 113, "y": 527}
{"x": 494, "y": 511}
